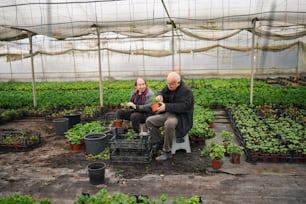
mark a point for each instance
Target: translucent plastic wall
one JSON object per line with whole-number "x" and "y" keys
{"x": 219, "y": 61}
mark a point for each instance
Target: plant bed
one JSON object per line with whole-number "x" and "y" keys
{"x": 267, "y": 132}
{"x": 13, "y": 140}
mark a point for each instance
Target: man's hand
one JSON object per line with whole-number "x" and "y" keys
{"x": 159, "y": 98}
{"x": 162, "y": 108}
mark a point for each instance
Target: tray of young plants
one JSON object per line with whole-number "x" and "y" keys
{"x": 16, "y": 140}
{"x": 271, "y": 136}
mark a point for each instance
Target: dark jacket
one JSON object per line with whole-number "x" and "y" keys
{"x": 180, "y": 102}
{"x": 143, "y": 101}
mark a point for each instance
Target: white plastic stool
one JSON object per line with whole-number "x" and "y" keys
{"x": 184, "y": 145}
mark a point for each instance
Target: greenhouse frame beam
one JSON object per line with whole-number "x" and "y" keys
{"x": 253, "y": 60}
{"x": 30, "y": 35}
{"x": 100, "y": 65}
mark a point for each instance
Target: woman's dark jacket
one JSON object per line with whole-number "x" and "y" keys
{"x": 143, "y": 101}
{"x": 180, "y": 102}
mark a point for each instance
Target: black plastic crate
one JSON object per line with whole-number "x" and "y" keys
{"x": 131, "y": 155}
{"x": 134, "y": 148}
{"x": 135, "y": 141}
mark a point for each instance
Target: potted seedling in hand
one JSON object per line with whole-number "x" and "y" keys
{"x": 155, "y": 104}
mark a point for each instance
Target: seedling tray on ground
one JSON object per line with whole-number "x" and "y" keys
{"x": 12, "y": 140}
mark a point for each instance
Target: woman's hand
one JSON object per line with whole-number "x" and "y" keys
{"x": 131, "y": 105}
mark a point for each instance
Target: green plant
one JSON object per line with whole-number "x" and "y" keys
{"x": 76, "y": 134}
{"x": 22, "y": 199}
{"x": 226, "y": 135}
{"x": 34, "y": 138}
{"x": 131, "y": 134}
{"x": 210, "y": 133}
{"x": 217, "y": 151}
{"x": 208, "y": 115}
{"x": 199, "y": 127}
{"x": 205, "y": 151}
{"x": 104, "y": 155}
{"x": 154, "y": 100}
{"x": 234, "y": 148}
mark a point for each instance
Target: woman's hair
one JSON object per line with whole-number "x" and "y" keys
{"x": 135, "y": 83}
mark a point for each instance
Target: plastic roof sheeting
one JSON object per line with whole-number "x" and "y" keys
{"x": 148, "y": 18}
{"x": 210, "y": 37}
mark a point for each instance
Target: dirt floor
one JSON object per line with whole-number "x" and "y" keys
{"x": 53, "y": 170}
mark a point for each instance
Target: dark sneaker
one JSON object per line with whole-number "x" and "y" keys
{"x": 180, "y": 140}
{"x": 164, "y": 156}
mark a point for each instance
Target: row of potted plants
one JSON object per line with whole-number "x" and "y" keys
{"x": 217, "y": 151}
{"x": 201, "y": 119}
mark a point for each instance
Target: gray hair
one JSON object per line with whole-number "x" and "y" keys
{"x": 175, "y": 75}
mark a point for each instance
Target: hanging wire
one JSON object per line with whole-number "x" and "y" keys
{"x": 56, "y": 3}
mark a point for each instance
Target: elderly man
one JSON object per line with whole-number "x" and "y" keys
{"x": 175, "y": 114}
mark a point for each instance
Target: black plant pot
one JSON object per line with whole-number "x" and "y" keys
{"x": 73, "y": 118}
{"x": 96, "y": 172}
{"x": 95, "y": 143}
{"x": 60, "y": 125}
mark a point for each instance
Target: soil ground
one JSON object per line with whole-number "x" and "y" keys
{"x": 54, "y": 171}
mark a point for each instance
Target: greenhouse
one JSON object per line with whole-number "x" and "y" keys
{"x": 75, "y": 74}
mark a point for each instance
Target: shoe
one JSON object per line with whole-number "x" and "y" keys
{"x": 180, "y": 140}
{"x": 164, "y": 156}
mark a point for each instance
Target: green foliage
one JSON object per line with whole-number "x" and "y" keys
{"x": 104, "y": 155}
{"x": 79, "y": 131}
{"x": 207, "y": 92}
{"x": 217, "y": 151}
{"x": 104, "y": 197}
{"x": 227, "y": 135}
{"x": 204, "y": 152}
{"x": 22, "y": 199}
{"x": 210, "y": 133}
{"x": 154, "y": 100}
{"x": 200, "y": 118}
{"x": 214, "y": 150}
{"x": 234, "y": 148}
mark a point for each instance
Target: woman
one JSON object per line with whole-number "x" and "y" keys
{"x": 139, "y": 105}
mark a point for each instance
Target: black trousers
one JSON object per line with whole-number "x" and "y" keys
{"x": 135, "y": 117}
